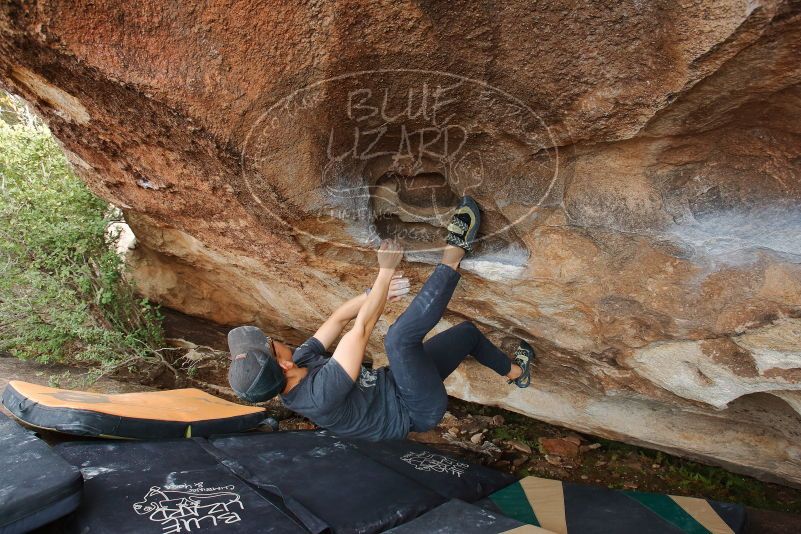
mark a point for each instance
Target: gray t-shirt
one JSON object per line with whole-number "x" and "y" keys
{"x": 368, "y": 408}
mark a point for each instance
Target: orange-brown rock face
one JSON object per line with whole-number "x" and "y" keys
{"x": 637, "y": 163}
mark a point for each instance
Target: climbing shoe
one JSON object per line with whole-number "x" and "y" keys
{"x": 464, "y": 223}
{"x": 523, "y": 357}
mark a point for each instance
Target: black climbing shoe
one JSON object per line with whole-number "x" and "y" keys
{"x": 524, "y": 355}
{"x": 464, "y": 223}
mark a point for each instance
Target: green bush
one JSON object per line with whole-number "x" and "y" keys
{"x": 63, "y": 296}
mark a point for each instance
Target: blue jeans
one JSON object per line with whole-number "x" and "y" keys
{"x": 420, "y": 368}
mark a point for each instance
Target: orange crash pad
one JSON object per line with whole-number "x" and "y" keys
{"x": 147, "y": 415}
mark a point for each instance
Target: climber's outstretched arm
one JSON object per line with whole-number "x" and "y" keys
{"x": 331, "y": 329}
{"x": 350, "y": 350}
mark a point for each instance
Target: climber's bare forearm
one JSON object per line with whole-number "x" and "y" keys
{"x": 350, "y": 351}
{"x": 373, "y": 307}
{"x": 331, "y": 329}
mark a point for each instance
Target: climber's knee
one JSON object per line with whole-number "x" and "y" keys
{"x": 467, "y": 328}
{"x": 467, "y": 325}
{"x": 403, "y": 332}
{"x": 394, "y": 337}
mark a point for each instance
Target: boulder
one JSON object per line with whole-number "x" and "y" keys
{"x": 637, "y": 164}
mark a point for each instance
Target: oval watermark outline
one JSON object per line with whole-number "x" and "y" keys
{"x": 459, "y": 77}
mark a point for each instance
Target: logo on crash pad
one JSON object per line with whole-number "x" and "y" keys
{"x": 437, "y": 463}
{"x": 190, "y": 507}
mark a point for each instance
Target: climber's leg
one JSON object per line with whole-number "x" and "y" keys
{"x": 416, "y": 375}
{"x": 449, "y": 348}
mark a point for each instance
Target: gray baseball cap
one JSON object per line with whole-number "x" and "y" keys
{"x": 254, "y": 375}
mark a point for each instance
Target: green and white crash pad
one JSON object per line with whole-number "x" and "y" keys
{"x": 175, "y": 413}
{"x": 567, "y": 508}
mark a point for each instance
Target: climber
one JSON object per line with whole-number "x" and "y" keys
{"x": 337, "y": 393}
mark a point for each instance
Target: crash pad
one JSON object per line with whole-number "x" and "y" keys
{"x": 36, "y": 485}
{"x": 168, "y": 486}
{"x": 311, "y": 477}
{"x": 147, "y": 415}
{"x": 386, "y": 482}
{"x": 569, "y": 508}
{"x": 447, "y": 476}
{"x": 345, "y": 489}
{"x": 459, "y": 517}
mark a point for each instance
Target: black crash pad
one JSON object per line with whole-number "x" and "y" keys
{"x": 356, "y": 486}
{"x": 310, "y": 477}
{"x": 345, "y": 489}
{"x": 449, "y": 477}
{"x": 36, "y": 485}
{"x": 165, "y": 487}
{"x": 459, "y": 517}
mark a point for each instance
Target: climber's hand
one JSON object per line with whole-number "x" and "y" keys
{"x": 398, "y": 287}
{"x": 390, "y": 254}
